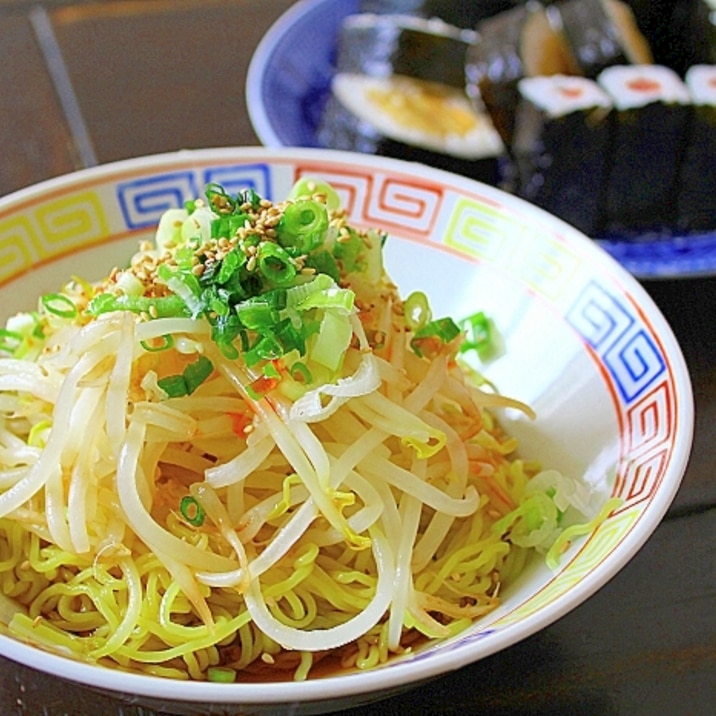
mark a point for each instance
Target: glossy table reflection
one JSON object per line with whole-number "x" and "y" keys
{"x": 92, "y": 82}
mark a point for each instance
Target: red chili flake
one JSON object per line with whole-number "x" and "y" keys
{"x": 263, "y": 385}
{"x": 239, "y": 422}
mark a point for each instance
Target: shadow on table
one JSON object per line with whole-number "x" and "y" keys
{"x": 522, "y": 681}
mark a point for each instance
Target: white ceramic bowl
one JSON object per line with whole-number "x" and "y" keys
{"x": 584, "y": 345}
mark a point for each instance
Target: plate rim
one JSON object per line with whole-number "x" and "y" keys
{"x": 636, "y": 256}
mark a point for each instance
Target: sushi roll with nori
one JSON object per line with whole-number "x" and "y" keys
{"x": 560, "y": 147}
{"x": 517, "y": 43}
{"x": 601, "y": 33}
{"x": 695, "y": 23}
{"x": 648, "y": 137}
{"x": 697, "y": 195}
{"x": 411, "y": 119}
{"x": 460, "y": 13}
{"x": 393, "y": 7}
{"x": 381, "y": 45}
{"x": 667, "y": 28}
{"x": 399, "y": 90}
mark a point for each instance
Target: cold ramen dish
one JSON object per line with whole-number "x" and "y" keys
{"x": 245, "y": 454}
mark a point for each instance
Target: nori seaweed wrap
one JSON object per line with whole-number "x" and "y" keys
{"x": 399, "y": 91}
{"x": 521, "y": 42}
{"x": 666, "y": 26}
{"x": 560, "y": 147}
{"x": 601, "y": 33}
{"x": 460, "y": 13}
{"x": 695, "y": 23}
{"x": 381, "y": 45}
{"x": 697, "y": 195}
{"x": 648, "y": 138}
{"x": 393, "y": 7}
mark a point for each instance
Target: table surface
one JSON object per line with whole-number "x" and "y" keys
{"x": 92, "y": 82}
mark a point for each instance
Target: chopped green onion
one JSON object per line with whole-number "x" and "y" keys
{"x": 333, "y": 297}
{"x": 197, "y": 372}
{"x": 308, "y": 187}
{"x": 192, "y": 511}
{"x": 478, "y": 334}
{"x": 216, "y": 301}
{"x": 37, "y": 331}
{"x": 167, "y": 342}
{"x": 229, "y": 350}
{"x": 231, "y": 263}
{"x": 249, "y": 196}
{"x": 443, "y": 330}
{"x": 177, "y": 386}
{"x": 10, "y": 340}
{"x": 299, "y": 371}
{"x": 271, "y": 371}
{"x": 348, "y": 251}
{"x": 218, "y": 198}
{"x": 324, "y": 263}
{"x": 275, "y": 264}
{"x": 290, "y": 337}
{"x": 227, "y": 226}
{"x": 174, "y": 386}
{"x": 221, "y": 674}
{"x": 300, "y": 292}
{"x": 417, "y": 310}
{"x": 303, "y": 225}
{"x": 161, "y": 307}
{"x": 60, "y": 305}
{"x": 225, "y": 329}
{"x": 333, "y": 340}
{"x": 185, "y": 285}
{"x": 276, "y": 297}
{"x": 256, "y": 313}
{"x": 266, "y": 348}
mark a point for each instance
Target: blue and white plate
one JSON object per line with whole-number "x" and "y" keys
{"x": 289, "y": 80}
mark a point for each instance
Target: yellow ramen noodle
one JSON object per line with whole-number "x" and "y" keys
{"x": 245, "y": 455}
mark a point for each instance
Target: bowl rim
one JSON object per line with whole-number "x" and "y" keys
{"x": 401, "y": 674}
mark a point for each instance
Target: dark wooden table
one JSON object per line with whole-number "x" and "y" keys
{"x": 90, "y": 82}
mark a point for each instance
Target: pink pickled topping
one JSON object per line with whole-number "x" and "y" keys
{"x": 643, "y": 84}
{"x": 571, "y": 92}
